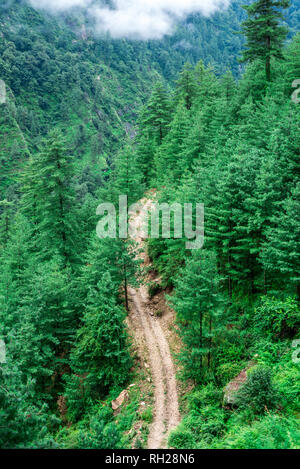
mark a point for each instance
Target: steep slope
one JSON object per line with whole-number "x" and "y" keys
{"x": 92, "y": 88}
{"x": 149, "y": 330}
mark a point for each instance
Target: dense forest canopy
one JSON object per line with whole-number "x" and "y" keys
{"x": 206, "y": 115}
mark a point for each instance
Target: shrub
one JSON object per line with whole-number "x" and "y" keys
{"x": 258, "y": 392}
{"x": 182, "y": 438}
{"x": 281, "y": 318}
{"x": 271, "y": 432}
{"x": 147, "y": 415}
{"x": 207, "y": 395}
{"x": 153, "y": 289}
{"x": 102, "y": 432}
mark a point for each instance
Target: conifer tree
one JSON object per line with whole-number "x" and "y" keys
{"x": 156, "y": 115}
{"x": 264, "y": 32}
{"x": 50, "y": 198}
{"x": 126, "y": 178}
{"x": 186, "y": 86}
{"x": 281, "y": 252}
{"x": 101, "y": 354}
{"x": 153, "y": 127}
{"x": 197, "y": 303}
{"x": 168, "y": 159}
{"x": 5, "y": 221}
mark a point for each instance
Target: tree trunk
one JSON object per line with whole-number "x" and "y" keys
{"x": 210, "y": 342}
{"x": 201, "y": 337}
{"x": 268, "y": 60}
{"x": 126, "y": 290}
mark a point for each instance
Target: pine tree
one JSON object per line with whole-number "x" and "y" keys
{"x": 152, "y": 129}
{"x": 281, "y": 252}
{"x": 50, "y": 199}
{"x": 197, "y": 304}
{"x": 102, "y": 348}
{"x": 157, "y": 114}
{"x": 126, "y": 178}
{"x": 116, "y": 256}
{"x": 186, "y": 86}
{"x": 264, "y": 32}
{"x": 5, "y": 221}
{"x": 169, "y": 162}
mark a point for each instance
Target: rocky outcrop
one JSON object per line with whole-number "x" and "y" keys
{"x": 116, "y": 404}
{"x": 234, "y": 385}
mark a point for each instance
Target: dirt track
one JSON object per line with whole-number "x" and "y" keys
{"x": 149, "y": 333}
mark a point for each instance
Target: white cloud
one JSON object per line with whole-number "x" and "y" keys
{"x": 138, "y": 19}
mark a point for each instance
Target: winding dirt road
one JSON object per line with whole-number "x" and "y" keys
{"x": 150, "y": 334}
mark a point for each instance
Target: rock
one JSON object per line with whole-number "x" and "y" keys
{"x": 146, "y": 365}
{"x": 234, "y": 385}
{"x": 120, "y": 400}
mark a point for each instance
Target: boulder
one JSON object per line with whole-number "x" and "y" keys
{"x": 234, "y": 385}
{"x": 116, "y": 404}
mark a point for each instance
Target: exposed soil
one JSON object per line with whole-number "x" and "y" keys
{"x": 151, "y": 337}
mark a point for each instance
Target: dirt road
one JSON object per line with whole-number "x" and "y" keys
{"x": 149, "y": 333}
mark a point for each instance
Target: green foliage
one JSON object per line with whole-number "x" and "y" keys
{"x": 259, "y": 392}
{"x": 204, "y": 423}
{"x": 147, "y": 415}
{"x": 264, "y": 32}
{"x": 271, "y": 432}
{"x": 102, "y": 432}
{"x": 153, "y": 289}
{"x": 100, "y": 359}
{"x": 68, "y": 143}
{"x": 279, "y": 318}
{"x": 197, "y": 304}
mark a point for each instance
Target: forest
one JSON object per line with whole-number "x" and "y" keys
{"x": 210, "y": 115}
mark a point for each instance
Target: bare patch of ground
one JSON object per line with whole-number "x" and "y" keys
{"x": 152, "y": 335}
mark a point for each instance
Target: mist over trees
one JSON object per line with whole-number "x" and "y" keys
{"x": 86, "y": 120}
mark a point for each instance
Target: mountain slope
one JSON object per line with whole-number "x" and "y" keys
{"x": 92, "y": 88}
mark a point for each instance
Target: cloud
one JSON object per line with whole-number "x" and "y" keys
{"x": 135, "y": 19}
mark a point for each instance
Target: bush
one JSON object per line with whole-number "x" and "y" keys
{"x": 281, "y": 318}
{"x": 271, "y": 432}
{"x": 102, "y": 432}
{"x": 258, "y": 392}
{"x": 147, "y": 415}
{"x": 182, "y": 438}
{"x": 207, "y": 395}
{"x": 153, "y": 289}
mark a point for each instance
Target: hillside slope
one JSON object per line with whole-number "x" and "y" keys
{"x": 92, "y": 88}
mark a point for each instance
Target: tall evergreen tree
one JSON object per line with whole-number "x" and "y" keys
{"x": 281, "y": 252}
{"x": 101, "y": 354}
{"x": 264, "y": 32}
{"x": 186, "y": 86}
{"x": 197, "y": 303}
{"x": 50, "y": 198}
